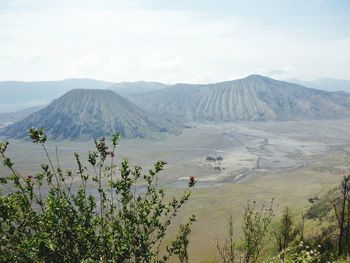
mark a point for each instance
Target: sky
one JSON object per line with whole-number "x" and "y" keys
{"x": 192, "y": 41}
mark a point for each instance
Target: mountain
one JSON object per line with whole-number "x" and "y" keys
{"x": 85, "y": 114}
{"x": 328, "y": 84}
{"x": 11, "y": 117}
{"x": 130, "y": 88}
{"x": 254, "y": 98}
{"x": 18, "y": 95}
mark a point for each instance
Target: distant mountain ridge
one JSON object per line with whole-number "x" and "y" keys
{"x": 127, "y": 88}
{"x": 92, "y": 113}
{"x": 254, "y": 98}
{"x": 11, "y": 117}
{"x": 18, "y": 95}
{"x": 85, "y": 114}
{"x": 327, "y": 84}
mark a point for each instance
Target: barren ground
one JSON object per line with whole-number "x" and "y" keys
{"x": 288, "y": 161}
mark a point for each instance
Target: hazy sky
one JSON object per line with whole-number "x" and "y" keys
{"x": 175, "y": 40}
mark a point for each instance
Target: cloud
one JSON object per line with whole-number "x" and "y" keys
{"x": 134, "y": 40}
{"x": 278, "y": 72}
{"x": 275, "y": 72}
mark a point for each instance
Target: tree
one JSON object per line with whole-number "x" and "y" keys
{"x": 256, "y": 232}
{"x": 181, "y": 243}
{"x": 226, "y": 250}
{"x": 339, "y": 206}
{"x": 284, "y": 233}
{"x": 300, "y": 228}
{"x": 53, "y": 216}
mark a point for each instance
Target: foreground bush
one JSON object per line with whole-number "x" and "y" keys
{"x": 256, "y": 235}
{"x": 298, "y": 254}
{"x": 48, "y": 218}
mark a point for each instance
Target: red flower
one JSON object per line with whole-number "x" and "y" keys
{"x": 192, "y": 181}
{"x": 112, "y": 154}
{"x": 29, "y": 177}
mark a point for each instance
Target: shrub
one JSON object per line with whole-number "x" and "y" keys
{"x": 256, "y": 232}
{"x": 256, "y": 235}
{"x": 298, "y": 254}
{"x": 320, "y": 207}
{"x": 284, "y": 233}
{"x": 44, "y": 219}
{"x": 226, "y": 249}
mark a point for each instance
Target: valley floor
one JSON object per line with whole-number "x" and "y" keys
{"x": 288, "y": 161}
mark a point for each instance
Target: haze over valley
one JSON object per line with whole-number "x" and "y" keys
{"x": 256, "y": 124}
{"x": 245, "y": 139}
{"x": 175, "y": 131}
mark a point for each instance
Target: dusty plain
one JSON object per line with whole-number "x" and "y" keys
{"x": 288, "y": 161}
